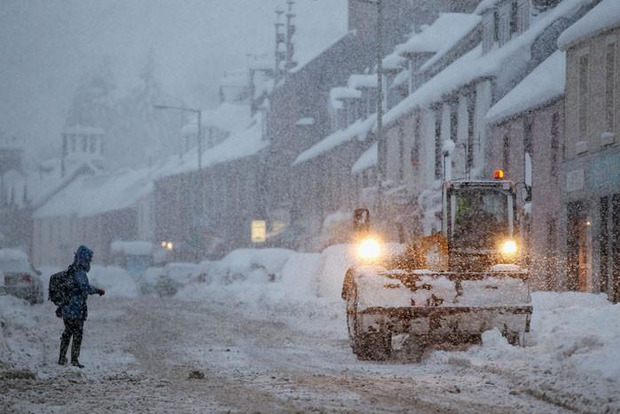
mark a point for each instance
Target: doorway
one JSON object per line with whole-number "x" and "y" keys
{"x": 615, "y": 252}
{"x": 579, "y": 248}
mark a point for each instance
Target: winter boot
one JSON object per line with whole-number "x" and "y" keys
{"x": 76, "y": 363}
{"x": 64, "y": 346}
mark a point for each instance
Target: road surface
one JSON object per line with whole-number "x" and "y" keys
{"x": 170, "y": 355}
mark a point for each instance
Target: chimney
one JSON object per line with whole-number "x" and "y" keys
{"x": 290, "y": 31}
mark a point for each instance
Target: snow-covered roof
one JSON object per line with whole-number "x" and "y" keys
{"x": 368, "y": 159}
{"x": 544, "y": 84}
{"x": 401, "y": 78}
{"x": 341, "y": 92}
{"x": 476, "y": 65}
{"x": 362, "y": 81}
{"x": 305, "y": 121}
{"x": 605, "y": 16}
{"x": 228, "y": 117}
{"x": 448, "y": 28}
{"x": 90, "y": 195}
{"x": 393, "y": 61}
{"x": 468, "y": 25}
{"x": 358, "y": 130}
{"x": 239, "y": 145}
{"x": 95, "y": 194}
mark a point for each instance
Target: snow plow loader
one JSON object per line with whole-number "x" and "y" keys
{"x": 446, "y": 289}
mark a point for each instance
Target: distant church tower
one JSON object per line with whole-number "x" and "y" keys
{"x": 81, "y": 144}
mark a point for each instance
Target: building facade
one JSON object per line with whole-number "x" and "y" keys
{"x": 591, "y": 172}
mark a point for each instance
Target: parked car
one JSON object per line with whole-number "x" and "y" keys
{"x": 20, "y": 278}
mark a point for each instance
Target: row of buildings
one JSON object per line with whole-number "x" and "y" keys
{"x": 527, "y": 86}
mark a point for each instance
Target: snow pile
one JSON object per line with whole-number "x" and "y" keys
{"x": 579, "y": 330}
{"x": 114, "y": 280}
{"x": 20, "y": 341}
{"x": 266, "y": 282}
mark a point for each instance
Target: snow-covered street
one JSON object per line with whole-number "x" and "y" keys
{"x": 267, "y": 331}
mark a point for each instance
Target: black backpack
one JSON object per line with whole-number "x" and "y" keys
{"x": 60, "y": 287}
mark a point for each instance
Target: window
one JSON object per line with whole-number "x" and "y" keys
{"x": 555, "y": 144}
{"x": 84, "y": 143}
{"x": 415, "y": 150}
{"x": 93, "y": 144}
{"x": 583, "y": 95}
{"x": 610, "y": 75}
{"x": 514, "y": 15}
{"x": 471, "y": 104}
{"x": 528, "y": 143}
{"x": 506, "y": 152}
{"x": 401, "y": 154}
{"x": 438, "y": 144}
{"x": 496, "y": 26}
{"x": 479, "y": 217}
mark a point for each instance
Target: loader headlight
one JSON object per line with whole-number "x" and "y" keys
{"x": 369, "y": 249}
{"x": 509, "y": 248}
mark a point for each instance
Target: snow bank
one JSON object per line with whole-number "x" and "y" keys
{"x": 115, "y": 281}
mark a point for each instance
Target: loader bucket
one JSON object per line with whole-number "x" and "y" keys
{"x": 437, "y": 308}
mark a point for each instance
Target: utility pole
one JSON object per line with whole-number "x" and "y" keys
{"x": 381, "y": 146}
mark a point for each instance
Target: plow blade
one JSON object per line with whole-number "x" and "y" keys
{"x": 430, "y": 309}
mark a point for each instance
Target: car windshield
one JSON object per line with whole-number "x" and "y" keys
{"x": 480, "y": 217}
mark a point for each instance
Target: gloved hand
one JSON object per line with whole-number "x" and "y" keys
{"x": 58, "y": 312}
{"x": 101, "y": 292}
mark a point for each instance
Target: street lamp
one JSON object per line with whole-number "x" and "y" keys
{"x": 381, "y": 146}
{"x": 199, "y": 130}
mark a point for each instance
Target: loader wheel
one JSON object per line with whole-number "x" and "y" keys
{"x": 373, "y": 346}
{"x": 367, "y": 346}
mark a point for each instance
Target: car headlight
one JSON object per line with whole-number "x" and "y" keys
{"x": 509, "y": 248}
{"x": 369, "y": 249}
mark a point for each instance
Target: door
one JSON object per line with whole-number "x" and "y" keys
{"x": 615, "y": 254}
{"x": 579, "y": 250}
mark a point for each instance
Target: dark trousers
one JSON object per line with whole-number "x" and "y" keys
{"x": 73, "y": 328}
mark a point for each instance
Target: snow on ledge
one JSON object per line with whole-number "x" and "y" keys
{"x": 605, "y": 16}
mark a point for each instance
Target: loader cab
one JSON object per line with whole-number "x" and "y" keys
{"x": 479, "y": 223}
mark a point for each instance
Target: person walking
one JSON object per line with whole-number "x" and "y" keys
{"x": 74, "y": 312}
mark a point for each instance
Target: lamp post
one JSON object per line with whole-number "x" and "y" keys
{"x": 198, "y": 112}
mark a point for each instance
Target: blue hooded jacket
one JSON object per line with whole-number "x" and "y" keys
{"x": 76, "y": 308}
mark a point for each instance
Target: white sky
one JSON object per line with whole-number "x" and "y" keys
{"x": 46, "y": 45}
